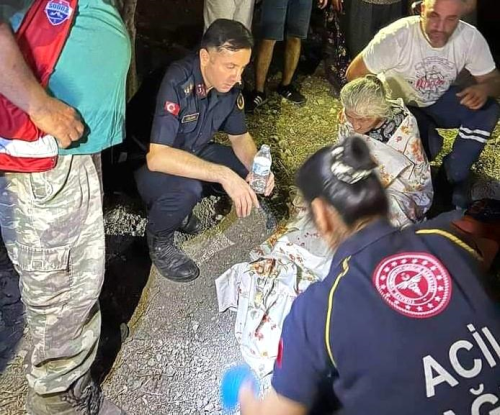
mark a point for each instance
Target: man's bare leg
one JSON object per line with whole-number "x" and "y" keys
{"x": 262, "y": 63}
{"x": 292, "y": 56}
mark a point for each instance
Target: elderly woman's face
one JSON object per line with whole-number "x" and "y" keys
{"x": 362, "y": 125}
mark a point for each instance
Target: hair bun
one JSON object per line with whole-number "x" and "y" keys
{"x": 357, "y": 154}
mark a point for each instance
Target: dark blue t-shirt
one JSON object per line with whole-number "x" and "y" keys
{"x": 403, "y": 326}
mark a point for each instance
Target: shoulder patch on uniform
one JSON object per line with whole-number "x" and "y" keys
{"x": 240, "y": 102}
{"x": 188, "y": 89}
{"x": 172, "y": 108}
{"x": 415, "y": 284}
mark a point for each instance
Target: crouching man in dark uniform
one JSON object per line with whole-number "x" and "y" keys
{"x": 403, "y": 324}
{"x": 199, "y": 96}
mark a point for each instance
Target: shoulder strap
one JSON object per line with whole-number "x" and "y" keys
{"x": 453, "y": 238}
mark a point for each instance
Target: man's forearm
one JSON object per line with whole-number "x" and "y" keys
{"x": 244, "y": 148}
{"x": 493, "y": 87}
{"x": 357, "y": 68}
{"x": 17, "y": 82}
{"x": 177, "y": 162}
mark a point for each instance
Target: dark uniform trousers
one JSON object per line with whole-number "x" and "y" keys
{"x": 169, "y": 199}
{"x": 475, "y": 128}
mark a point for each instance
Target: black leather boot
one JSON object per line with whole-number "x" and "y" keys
{"x": 191, "y": 225}
{"x": 171, "y": 262}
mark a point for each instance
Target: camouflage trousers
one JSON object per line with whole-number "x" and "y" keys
{"x": 52, "y": 226}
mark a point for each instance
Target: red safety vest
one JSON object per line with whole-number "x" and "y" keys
{"x": 41, "y": 38}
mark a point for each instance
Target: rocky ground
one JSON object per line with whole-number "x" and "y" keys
{"x": 173, "y": 362}
{"x": 179, "y": 345}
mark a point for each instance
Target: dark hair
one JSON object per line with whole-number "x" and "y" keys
{"x": 227, "y": 34}
{"x": 355, "y": 194}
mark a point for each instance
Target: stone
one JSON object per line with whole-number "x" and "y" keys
{"x": 170, "y": 371}
{"x": 137, "y": 384}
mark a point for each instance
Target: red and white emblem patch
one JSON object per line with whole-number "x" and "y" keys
{"x": 414, "y": 284}
{"x": 172, "y": 108}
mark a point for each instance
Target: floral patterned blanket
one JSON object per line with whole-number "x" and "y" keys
{"x": 294, "y": 257}
{"x": 262, "y": 291}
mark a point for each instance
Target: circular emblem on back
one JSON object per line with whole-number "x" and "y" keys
{"x": 414, "y": 284}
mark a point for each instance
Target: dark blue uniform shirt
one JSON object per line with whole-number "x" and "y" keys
{"x": 403, "y": 326}
{"x": 187, "y": 115}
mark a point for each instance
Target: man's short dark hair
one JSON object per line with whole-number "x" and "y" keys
{"x": 227, "y": 34}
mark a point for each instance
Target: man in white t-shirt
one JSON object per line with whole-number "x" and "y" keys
{"x": 239, "y": 10}
{"x": 420, "y": 58}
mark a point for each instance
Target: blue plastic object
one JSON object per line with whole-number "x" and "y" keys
{"x": 231, "y": 383}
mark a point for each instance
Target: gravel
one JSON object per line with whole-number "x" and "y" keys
{"x": 182, "y": 345}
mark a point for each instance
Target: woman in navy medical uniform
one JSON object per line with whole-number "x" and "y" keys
{"x": 402, "y": 325}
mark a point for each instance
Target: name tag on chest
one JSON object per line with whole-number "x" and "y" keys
{"x": 190, "y": 118}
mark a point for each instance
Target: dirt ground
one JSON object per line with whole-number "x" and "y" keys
{"x": 165, "y": 346}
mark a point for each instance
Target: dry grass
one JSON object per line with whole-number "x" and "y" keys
{"x": 295, "y": 133}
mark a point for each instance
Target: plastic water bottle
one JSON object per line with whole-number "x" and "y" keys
{"x": 261, "y": 169}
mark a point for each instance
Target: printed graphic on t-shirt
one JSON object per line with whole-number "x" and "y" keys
{"x": 433, "y": 77}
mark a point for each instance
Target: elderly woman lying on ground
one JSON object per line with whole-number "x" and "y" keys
{"x": 293, "y": 258}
